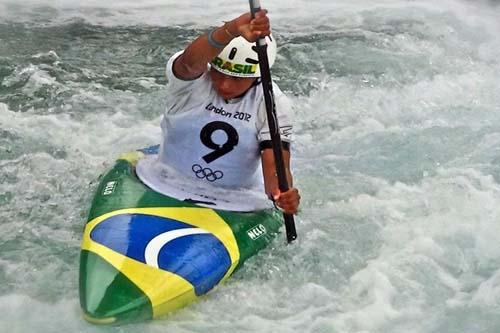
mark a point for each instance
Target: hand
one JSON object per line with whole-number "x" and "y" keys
{"x": 288, "y": 201}
{"x": 252, "y": 29}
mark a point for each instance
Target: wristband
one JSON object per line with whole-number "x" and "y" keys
{"x": 213, "y": 42}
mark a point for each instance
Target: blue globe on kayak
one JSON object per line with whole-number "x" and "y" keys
{"x": 185, "y": 250}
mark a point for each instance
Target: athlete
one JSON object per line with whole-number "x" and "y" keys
{"x": 215, "y": 127}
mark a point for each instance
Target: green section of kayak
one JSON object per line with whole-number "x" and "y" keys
{"x": 107, "y": 295}
{"x": 254, "y": 223}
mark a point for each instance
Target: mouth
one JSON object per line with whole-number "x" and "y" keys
{"x": 225, "y": 95}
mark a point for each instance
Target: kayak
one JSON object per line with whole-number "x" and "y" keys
{"x": 145, "y": 254}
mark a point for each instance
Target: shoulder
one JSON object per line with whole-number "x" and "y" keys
{"x": 170, "y": 73}
{"x": 183, "y": 94}
{"x": 177, "y": 85}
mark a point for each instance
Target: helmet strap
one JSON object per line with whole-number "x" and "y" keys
{"x": 256, "y": 82}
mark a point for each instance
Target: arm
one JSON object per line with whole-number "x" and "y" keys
{"x": 193, "y": 62}
{"x": 289, "y": 200}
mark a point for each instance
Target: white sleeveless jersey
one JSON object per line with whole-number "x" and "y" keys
{"x": 212, "y": 140}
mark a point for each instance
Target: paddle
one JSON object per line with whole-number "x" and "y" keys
{"x": 272, "y": 119}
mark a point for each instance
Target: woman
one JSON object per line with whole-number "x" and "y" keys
{"x": 215, "y": 127}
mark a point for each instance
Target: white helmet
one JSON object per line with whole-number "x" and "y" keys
{"x": 239, "y": 58}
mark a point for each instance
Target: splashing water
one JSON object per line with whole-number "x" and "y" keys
{"x": 397, "y": 156}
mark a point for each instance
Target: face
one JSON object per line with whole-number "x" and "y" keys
{"x": 230, "y": 86}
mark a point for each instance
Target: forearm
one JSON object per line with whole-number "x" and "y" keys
{"x": 193, "y": 62}
{"x": 269, "y": 170}
{"x": 289, "y": 200}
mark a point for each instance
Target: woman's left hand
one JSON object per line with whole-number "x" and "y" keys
{"x": 288, "y": 201}
{"x": 252, "y": 29}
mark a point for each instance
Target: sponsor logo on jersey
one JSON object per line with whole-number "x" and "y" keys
{"x": 219, "y": 111}
{"x": 222, "y": 112}
{"x": 286, "y": 131}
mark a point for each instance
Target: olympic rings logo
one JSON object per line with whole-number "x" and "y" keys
{"x": 206, "y": 173}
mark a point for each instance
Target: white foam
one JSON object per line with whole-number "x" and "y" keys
{"x": 434, "y": 236}
{"x": 191, "y": 12}
{"x": 399, "y": 172}
{"x": 488, "y": 293}
{"x": 21, "y": 313}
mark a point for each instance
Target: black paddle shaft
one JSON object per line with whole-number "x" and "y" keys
{"x": 272, "y": 119}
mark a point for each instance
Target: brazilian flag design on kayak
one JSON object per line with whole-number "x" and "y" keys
{"x": 145, "y": 254}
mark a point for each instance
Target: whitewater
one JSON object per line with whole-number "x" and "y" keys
{"x": 396, "y": 154}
